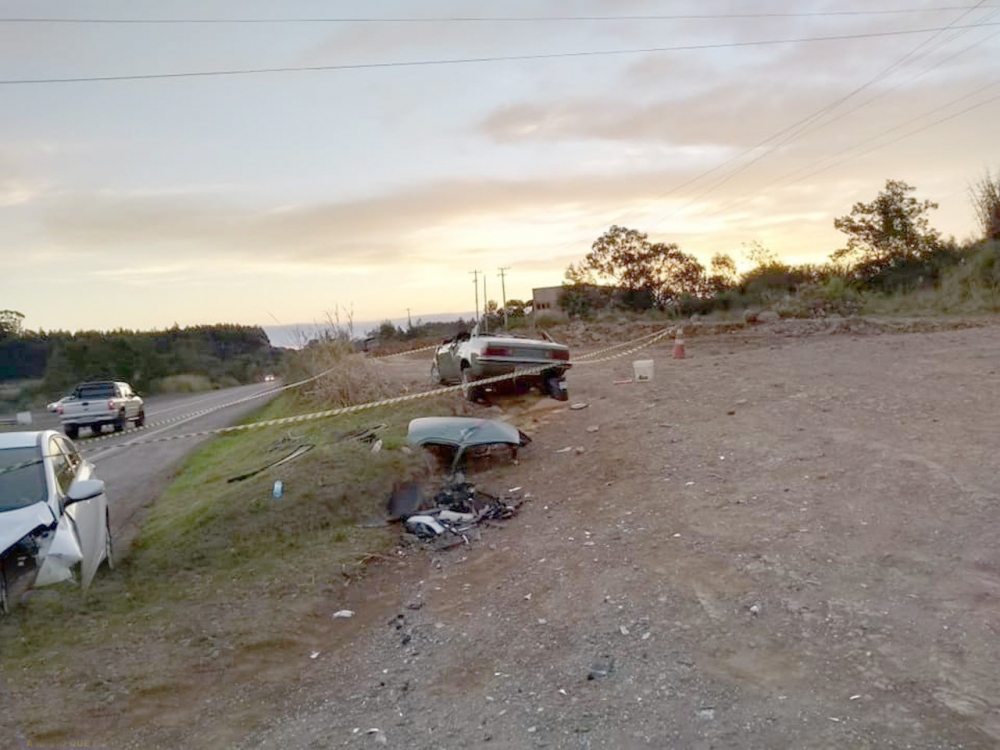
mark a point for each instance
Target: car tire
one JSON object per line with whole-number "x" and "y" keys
{"x": 109, "y": 548}
{"x": 470, "y": 391}
{"x": 72, "y": 431}
{"x": 140, "y": 421}
{"x": 96, "y": 429}
{"x": 552, "y": 385}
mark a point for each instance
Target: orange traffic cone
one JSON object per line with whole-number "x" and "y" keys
{"x": 679, "y": 344}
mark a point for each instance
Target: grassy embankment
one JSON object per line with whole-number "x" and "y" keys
{"x": 222, "y": 572}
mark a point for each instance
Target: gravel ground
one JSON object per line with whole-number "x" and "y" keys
{"x": 783, "y": 541}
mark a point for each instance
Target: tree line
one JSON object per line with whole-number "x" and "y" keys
{"x": 224, "y": 354}
{"x": 891, "y": 247}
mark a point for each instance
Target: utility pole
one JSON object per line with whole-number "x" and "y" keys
{"x": 475, "y": 283}
{"x": 486, "y": 304}
{"x": 503, "y": 290}
{"x": 409, "y": 320}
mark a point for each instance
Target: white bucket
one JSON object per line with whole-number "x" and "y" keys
{"x": 643, "y": 369}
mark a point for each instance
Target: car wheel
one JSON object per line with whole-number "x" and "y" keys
{"x": 109, "y": 550}
{"x": 553, "y": 384}
{"x": 4, "y": 592}
{"x": 72, "y": 431}
{"x": 96, "y": 429}
{"x": 470, "y": 391}
{"x": 140, "y": 421}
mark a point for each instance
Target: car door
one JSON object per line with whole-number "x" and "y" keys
{"x": 447, "y": 365}
{"x": 89, "y": 516}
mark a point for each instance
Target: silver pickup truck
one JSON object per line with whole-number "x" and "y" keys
{"x": 104, "y": 402}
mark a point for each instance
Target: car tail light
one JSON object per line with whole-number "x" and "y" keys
{"x": 497, "y": 351}
{"x": 561, "y": 354}
{"x": 59, "y": 408}
{"x": 111, "y": 405}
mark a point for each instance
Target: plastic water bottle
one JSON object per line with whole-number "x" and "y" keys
{"x": 279, "y": 489}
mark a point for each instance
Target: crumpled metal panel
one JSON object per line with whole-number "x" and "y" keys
{"x": 462, "y": 432}
{"x": 62, "y": 555}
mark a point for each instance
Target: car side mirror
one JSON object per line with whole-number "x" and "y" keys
{"x": 83, "y": 490}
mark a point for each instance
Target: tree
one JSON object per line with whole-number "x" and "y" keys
{"x": 11, "y": 324}
{"x": 986, "y": 202}
{"x": 723, "y": 276}
{"x": 890, "y": 231}
{"x": 646, "y": 274}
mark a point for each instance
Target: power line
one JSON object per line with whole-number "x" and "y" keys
{"x": 808, "y": 124}
{"x": 474, "y": 60}
{"x": 479, "y": 19}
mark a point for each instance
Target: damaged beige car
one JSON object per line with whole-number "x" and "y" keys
{"x": 54, "y": 522}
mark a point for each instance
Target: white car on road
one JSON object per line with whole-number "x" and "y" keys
{"x": 54, "y": 521}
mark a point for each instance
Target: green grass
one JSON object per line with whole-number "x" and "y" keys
{"x": 215, "y": 565}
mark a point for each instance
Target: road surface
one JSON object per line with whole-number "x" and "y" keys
{"x": 136, "y": 474}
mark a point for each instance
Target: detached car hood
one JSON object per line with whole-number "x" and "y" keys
{"x": 17, "y": 524}
{"x": 462, "y": 432}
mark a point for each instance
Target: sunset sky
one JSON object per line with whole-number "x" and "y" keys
{"x": 278, "y": 196}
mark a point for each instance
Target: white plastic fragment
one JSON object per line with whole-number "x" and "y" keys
{"x": 427, "y": 521}
{"x": 343, "y": 614}
{"x": 314, "y": 655}
{"x": 623, "y": 630}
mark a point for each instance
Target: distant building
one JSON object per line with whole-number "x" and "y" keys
{"x": 546, "y": 299}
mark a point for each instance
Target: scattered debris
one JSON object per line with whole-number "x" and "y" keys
{"x": 454, "y": 511}
{"x": 643, "y": 369}
{"x": 376, "y": 446}
{"x": 343, "y": 614}
{"x": 624, "y": 381}
{"x": 567, "y": 449}
{"x": 623, "y": 630}
{"x": 706, "y": 714}
{"x": 314, "y": 655}
{"x": 594, "y": 428}
{"x": 299, "y": 451}
{"x": 755, "y": 609}
{"x": 603, "y": 667}
{"x": 577, "y": 407}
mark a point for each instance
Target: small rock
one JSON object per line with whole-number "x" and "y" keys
{"x": 706, "y": 714}
{"x": 414, "y": 605}
{"x": 601, "y": 668}
{"x": 755, "y": 610}
{"x": 593, "y": 428}
{"x": 579, "y": 449}
{"x": 577, "y": 407}
{"x": 623, "y": 630}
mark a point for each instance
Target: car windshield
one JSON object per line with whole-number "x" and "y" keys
{"x": 96, "y": 390}
{"x": 22, "y": 478}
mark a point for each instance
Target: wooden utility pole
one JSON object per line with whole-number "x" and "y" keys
{"x": 503, "y": 291}
{"x": 475, "y": 283}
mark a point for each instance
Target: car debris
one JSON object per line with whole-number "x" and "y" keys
{"x": 299, "y": 451}
{"x": 460, "y": 434}
{"x": 456, "y": 509}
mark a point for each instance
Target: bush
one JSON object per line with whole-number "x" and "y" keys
{"x": 186, "y": 383}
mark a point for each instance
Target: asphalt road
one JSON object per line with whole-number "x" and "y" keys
{"x": 136, "y": 474}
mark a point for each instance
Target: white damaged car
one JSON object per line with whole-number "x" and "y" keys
{"x": 54, "y": 522}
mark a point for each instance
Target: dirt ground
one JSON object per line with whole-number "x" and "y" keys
{"x": 787, "y": 540}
